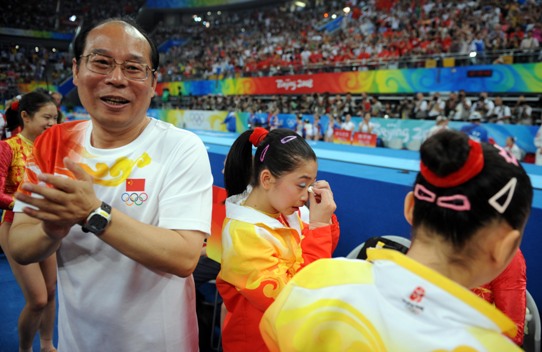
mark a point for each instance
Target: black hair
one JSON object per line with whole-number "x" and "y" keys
{"x": 81, "y": 39}
{"x": 445, "y": 153}
{"x": 284, "y": 150}
{"x": 13, "y": 120}
{"x": 32, "y": 102}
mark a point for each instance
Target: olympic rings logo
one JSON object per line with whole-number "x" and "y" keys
{"x": 134, "y": 198}
{"x": 196, "y": 118}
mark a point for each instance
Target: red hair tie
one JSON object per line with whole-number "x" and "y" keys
{"x": 15, "y": 106}
{"x": 257, "y": 136}
{"x": 471, "y": 168}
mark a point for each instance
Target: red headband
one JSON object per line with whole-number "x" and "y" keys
{"x": 257, "y": 136}
{"x": 471, "y": 168}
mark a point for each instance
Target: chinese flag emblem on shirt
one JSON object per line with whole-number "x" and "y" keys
{"x": 135, "y": 185}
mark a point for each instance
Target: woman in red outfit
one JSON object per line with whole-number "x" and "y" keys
{"x": 38, "y": 112}
{"x": 508, "y": 293}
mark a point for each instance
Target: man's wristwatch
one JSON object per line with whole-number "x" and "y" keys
{"x": 98, "y": 219}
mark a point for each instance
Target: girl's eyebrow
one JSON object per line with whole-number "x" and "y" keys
{"x": 305, "y": 177}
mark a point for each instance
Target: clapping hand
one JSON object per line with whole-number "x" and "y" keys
{"x": 61, "y": 202}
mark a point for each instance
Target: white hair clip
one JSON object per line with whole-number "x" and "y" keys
{"x": 509, "y": 188}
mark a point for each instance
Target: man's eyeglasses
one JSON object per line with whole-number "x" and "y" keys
{"x": 104, "y": 65}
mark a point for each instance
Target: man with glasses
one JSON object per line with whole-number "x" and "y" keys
{"x": 124, "y": 200}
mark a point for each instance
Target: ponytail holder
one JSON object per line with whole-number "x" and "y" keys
{"x": 472, "y": 167}
{"x": 257, "y": 136}
{"x": 15, "y": 106}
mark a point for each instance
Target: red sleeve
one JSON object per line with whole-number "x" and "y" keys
{"x": 509, "y": 290}
{"x": 320, "y": 242}
{"x": 6, "y": 156}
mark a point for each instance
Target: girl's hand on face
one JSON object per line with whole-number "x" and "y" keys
{"x": 322, "y": 206}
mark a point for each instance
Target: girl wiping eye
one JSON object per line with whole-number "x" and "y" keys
{"x": 264, "y": 226}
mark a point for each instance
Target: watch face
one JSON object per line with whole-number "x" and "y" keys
{"x": 98, "y": 220}
{"x": 97, "y": 223}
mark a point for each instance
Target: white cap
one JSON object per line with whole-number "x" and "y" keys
{"x": 475, "y": 116}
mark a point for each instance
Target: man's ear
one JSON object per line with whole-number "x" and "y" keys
{"x": 75, "y": 71}
{"x": 266, "y": 179}
{"x": 154, "y": 83}
{"x": 409, "y": 207}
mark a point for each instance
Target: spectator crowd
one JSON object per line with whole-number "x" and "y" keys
{"x": 323, "y": 36}
{"x": 456, "y": 106}
{"x": 345, "y": 36}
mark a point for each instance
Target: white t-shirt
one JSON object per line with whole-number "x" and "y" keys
{"x": 462, "y": 110}
{"x": 515, "y": 151}
{"x": 499, "y": 112}
{"x": 2, "y": 124}
{"x": 366, "y": 127}
{"x": 538, "y": 144}
{"x": 348, "y": 126}
{"x": 437, "y": 108}
{"x": 108, "y": 301}
{"x": 434, "y": 129}
{"x": 309, "y": 130}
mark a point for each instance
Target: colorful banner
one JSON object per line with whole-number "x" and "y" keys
{"x": 342, "y": 137}
{"x": 416, "y": 131}
{"x": 364, "y": 139}
{"x": 16, "y": 32}
{"x": 29, "y": 87}
{"x": 519, "y": 78}
{"x": 223, "y": 121}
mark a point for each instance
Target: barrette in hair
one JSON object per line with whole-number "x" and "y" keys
{"x": 264, "y": 151}
{"x": 287, "y": 139}
{"x": 511, "y": 159}
{"x": 457, "y": 202}
{"x": 472, "y": 167}
{"x": 257, "y": 136}
{"x": 508, "y": 189}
